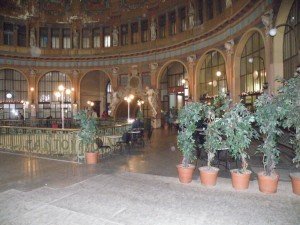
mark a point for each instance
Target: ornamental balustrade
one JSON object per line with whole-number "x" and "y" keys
{"x": 52, "y": 143}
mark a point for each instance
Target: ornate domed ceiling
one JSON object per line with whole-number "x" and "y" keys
{"x": 90, "y": 11}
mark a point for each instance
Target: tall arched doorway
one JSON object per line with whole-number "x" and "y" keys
{"x": 173, "y": 91}
{"x": 252, "y": 70}
{"x": 212, "y": 76}
{"x": 95, "y": 87}
{"x": 49, "y": 104}
{"x": 13, "y": 89}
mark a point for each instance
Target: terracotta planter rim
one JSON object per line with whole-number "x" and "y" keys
{"x": 189, "y": 166}
{"x": 273, "y": 176}
{"x": 235, "y": 171}
{"x": 212, "y": 169}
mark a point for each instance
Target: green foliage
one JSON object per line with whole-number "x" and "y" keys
{"x": 189, "y": 115}
{"x": 140, "y": 115}
{"x": 237, "y": 128}
{"x": 288, "y": 101}
{"x": 214, "y": 139}
{"x": 88, "y": 128}
{"x": 267, "y": 117}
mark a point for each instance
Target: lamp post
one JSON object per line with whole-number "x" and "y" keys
{"x": 251, "y": 60}
{"x": 128, "y": 99}
{"x": 62, "y": 91}
{"x": 25, "y": 105}
{"x": 273, "y": 32}
{"x": 140, "y": 103}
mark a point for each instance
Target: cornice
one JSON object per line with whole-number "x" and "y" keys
{"x": 247, "y": 15}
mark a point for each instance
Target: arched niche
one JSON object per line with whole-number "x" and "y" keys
{"x": 13, "y": 90}
{"x": 250, "y": 68}
{"x": 93, "y": 88}
{"x": 237, "y": 61}
{"x": 49, "y": 103}
{"x": 173, "y": 91}
{"x": 211, "y": 74}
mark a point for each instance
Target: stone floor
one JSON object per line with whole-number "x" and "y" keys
{"x": 141, "y": 188}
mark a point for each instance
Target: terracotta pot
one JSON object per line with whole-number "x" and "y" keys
{"x": 185, "y": 174}
{"x": 91, "y": 157}
{"x": 268, "y": 184}
{"x": 240, "y": 181}
{"x": 208, "y": 176}
{"x": 295, "y": 182}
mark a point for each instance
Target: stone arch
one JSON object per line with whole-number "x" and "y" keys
{"x": 92, "y": 87}
{"x": 162, "y": 69}
{"x": 237, "y": 60}
{"x": 20, "y": 71}
{"x": 281, "y": 18}
{"x": 199, "y": 65}
{"x": 52, "y": 70}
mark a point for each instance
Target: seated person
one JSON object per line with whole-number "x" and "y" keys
{"x": 137, "y": 124}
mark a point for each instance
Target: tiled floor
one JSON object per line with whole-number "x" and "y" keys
{"x": 123, "y": 189}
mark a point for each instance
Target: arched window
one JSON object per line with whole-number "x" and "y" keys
{"x": 212, "y": 77}
{"x": 13, "y": 89}
{"x": 49, "y": 103}
{"x": 252, "y": 74}
{"x": 173, "y": 92}
{"x": 290, "y": 51}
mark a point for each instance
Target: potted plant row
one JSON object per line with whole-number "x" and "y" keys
{"x": 288, "y": 101}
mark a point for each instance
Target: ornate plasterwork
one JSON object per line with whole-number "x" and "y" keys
{"x": 115, "y": 70}
{"x": 229, "y": 46}
{"x": 267, "y": 20}
{"x": 191, "y": 59}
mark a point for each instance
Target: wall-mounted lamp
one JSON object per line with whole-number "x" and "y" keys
{"x": 273, "y": 32}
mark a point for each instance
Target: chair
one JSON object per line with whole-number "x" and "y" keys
{"x": 125, "y": 142}
{"x": 104, "y": 149}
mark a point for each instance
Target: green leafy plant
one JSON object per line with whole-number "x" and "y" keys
{"x": 88, "y": 129}
{"x": 237, "y": 128}
{"x": 214, "y": 139}
{"x": 288, "y": 101}
{"x": 189, "y": 115}
{"x": 267, "y": 117}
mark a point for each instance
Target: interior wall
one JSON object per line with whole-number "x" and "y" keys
{"x": 92, "y": 88}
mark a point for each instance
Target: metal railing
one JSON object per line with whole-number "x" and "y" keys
{"x": 49, "y": 142}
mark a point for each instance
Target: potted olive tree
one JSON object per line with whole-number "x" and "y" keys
{"x": 214, "y": 138}
{"x": 189, "y": 115}
{"x": 87, "y": 135}
{"x": 288, "y": 101}
{"x": 267, "y": 117}
{"x": 238, "y": 130}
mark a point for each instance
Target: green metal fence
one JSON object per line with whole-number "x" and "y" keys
{"x": 50, "y": 142}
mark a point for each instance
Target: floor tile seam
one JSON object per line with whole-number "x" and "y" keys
{"x": 81, "y": 213}
{"x": 45, "y": 205}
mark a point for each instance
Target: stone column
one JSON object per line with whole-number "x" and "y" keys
{"x": 191, "y": 59}
{"x": 49, "y": 38}
{"x": 139, "y": 31}
{"x": 229, "y": 46}
{"x": 155, "y": 122}
{"x": 32, "y": 94}
{"x": 1, "y": 31}
{"x": 267, "y": 20}
{"x": 15, "y": 35}
{"x": 114, "y": 77}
